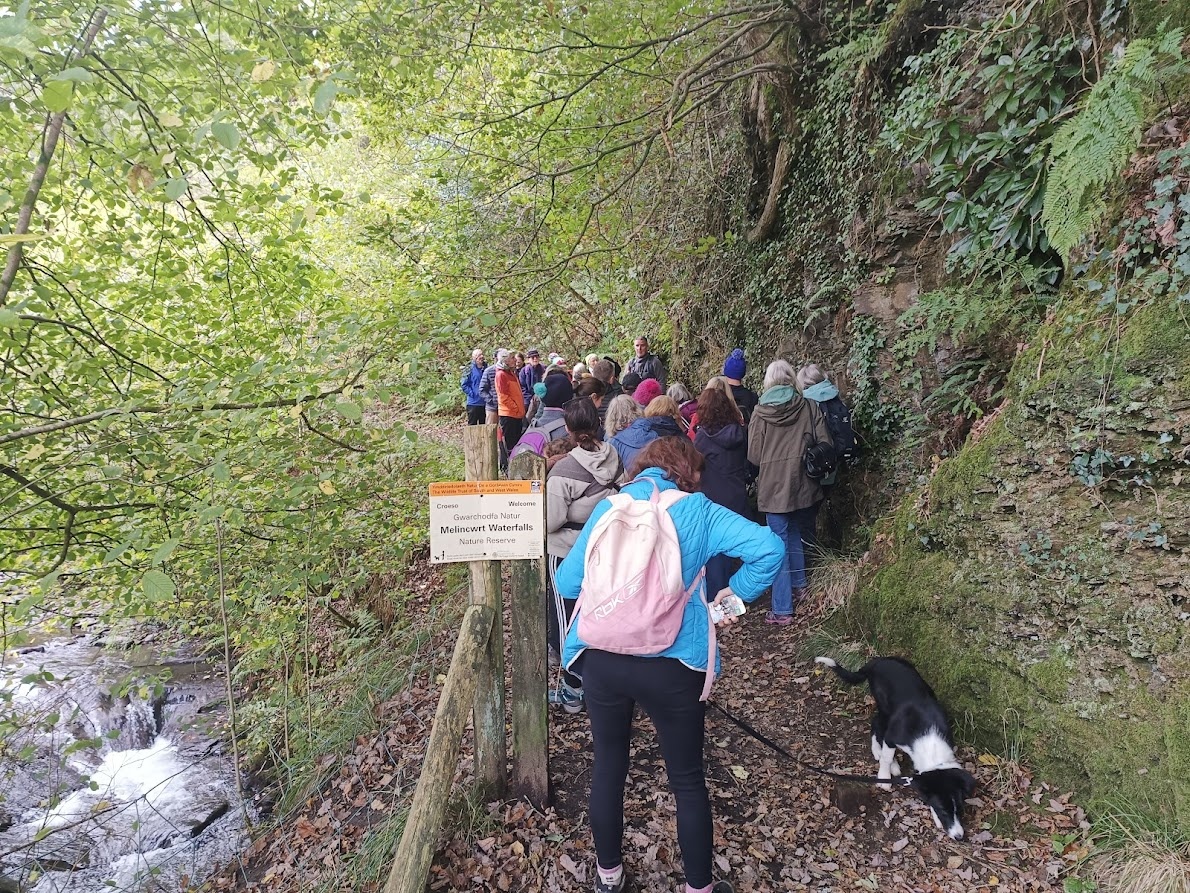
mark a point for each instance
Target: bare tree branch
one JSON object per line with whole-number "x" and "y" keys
{"x": 63, "y": 424}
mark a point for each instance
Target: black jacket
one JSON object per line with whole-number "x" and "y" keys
{"x": 725, "y": 476}
{"x": 745, "y": 399}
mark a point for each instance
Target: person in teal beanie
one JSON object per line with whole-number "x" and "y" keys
{"x": 814, "y": 385}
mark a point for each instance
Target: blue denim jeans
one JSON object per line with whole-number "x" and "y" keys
{"x": 792, "y": 527}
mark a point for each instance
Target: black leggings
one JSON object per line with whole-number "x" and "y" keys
{"x": 510, "y": 433}
{"x": 668, "y": 691}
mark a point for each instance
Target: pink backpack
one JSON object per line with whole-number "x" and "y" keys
{"x": 632, "y": 599}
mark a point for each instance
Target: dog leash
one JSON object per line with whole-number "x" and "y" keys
{"x": 900, "y": 780}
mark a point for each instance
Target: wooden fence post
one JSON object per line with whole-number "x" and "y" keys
{"x": 481, "y": 461}
{"x": 530, "y": 716}
{"x": 423, "y": 825}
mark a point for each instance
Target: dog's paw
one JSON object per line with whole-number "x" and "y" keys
{"x": 896, "y": 769}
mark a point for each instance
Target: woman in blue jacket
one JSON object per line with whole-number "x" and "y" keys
{"x": 658, "y": 421}
{"x": 667, "y": 685}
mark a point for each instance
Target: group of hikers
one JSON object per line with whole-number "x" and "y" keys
{"x": 647, "y": 483}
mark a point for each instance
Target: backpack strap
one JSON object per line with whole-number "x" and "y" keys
{"x": 813, "y": 407}
{"x": 593, "y": 485}
{"x": 712, "y": 642}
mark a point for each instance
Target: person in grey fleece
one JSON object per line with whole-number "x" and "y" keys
{"x": 590, "y": 472}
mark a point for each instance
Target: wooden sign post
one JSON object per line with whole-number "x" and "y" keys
{"x": 481, "y": 461}
{"x": 530, "y": 715}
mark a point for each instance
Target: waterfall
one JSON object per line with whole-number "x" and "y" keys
{"x": 110, "y": 779}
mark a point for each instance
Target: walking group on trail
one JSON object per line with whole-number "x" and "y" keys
{"x": 652, "y": 540}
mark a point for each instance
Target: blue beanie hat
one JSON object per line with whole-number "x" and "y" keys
{"x": 734, "y": 366}
{"x": 539, "y": 390}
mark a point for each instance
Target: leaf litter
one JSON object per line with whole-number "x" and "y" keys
{"x": 777, "y": 827}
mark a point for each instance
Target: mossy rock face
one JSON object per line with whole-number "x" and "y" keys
{"x": 1147, "y": 16}
{"x": 1041, "y": 579}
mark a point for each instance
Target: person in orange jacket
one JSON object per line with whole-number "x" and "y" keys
{"x": 510, "y": 403}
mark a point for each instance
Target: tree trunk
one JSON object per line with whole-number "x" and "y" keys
{"x": 772, "y": 205}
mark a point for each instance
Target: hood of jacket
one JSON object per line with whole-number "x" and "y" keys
{"x": 603, "y": 463}
{"x": 780, "y": 406}
{"x": 548, "y": 416}
{"x": 821, "y": 392}
{"x": 643, "y": 431}
{"x": 729, "y": 437}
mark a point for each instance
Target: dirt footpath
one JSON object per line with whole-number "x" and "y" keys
{"x": 776, "y": 826}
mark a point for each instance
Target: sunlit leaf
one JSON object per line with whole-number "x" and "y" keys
{"x": 226, "y": 133}
{"x": 157, "y": 586}
{"x": 349, "y": 410}
{"x": 56, "y": 95}
{"x": 162, "y": 552}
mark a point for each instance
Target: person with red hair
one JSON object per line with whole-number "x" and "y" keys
{"x": 722, "y": 440}
{"x": 669, "y": 685}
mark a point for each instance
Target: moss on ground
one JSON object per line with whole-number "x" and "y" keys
{"x": 1045, "y": 612}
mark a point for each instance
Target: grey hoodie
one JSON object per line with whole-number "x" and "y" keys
{"x": 573, "y": 488}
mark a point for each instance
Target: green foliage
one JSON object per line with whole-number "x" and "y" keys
{"x": 879, "y": 419}
{"x": 1154, "y": 246}
{"x": 1092, "y": 148}
{"x": 548, "y": 162}
{"x": 978, "y": 113}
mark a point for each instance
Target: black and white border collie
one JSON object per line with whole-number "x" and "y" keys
{"x": 909, "y": 718}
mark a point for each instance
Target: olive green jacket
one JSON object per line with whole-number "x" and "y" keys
{"x": 783, "y": 425}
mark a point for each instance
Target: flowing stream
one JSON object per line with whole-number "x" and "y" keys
{"x": 113, "y": 774}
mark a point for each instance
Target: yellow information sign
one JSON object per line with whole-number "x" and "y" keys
{"x": 486, "y": 520}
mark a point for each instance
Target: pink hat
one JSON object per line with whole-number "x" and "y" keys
{"x": 647, "y": 390}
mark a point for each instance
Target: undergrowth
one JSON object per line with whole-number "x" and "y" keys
{"x": 372, "y": 860}
{"x": 343, "y": 703}
{"x": 1092, "y": 148}
{"x": 1138, "y": 855}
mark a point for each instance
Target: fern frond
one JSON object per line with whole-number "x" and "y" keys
{"x": 1091, "y": 150}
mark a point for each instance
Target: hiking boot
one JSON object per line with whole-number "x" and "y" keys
{"x": 569, "y": 699}
{"x": 778, "y": 620}
{"x": 619, "y": 887}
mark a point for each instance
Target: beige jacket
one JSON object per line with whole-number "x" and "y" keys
{"x": 572, "y": 490}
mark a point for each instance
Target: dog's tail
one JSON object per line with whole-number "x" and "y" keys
{"x": 851, "y": 678}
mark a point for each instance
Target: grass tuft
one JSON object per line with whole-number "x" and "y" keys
{"x": 1146, "y": 867}
{"x": 833, "y": 581}
{"x": 1138, "y": 855}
